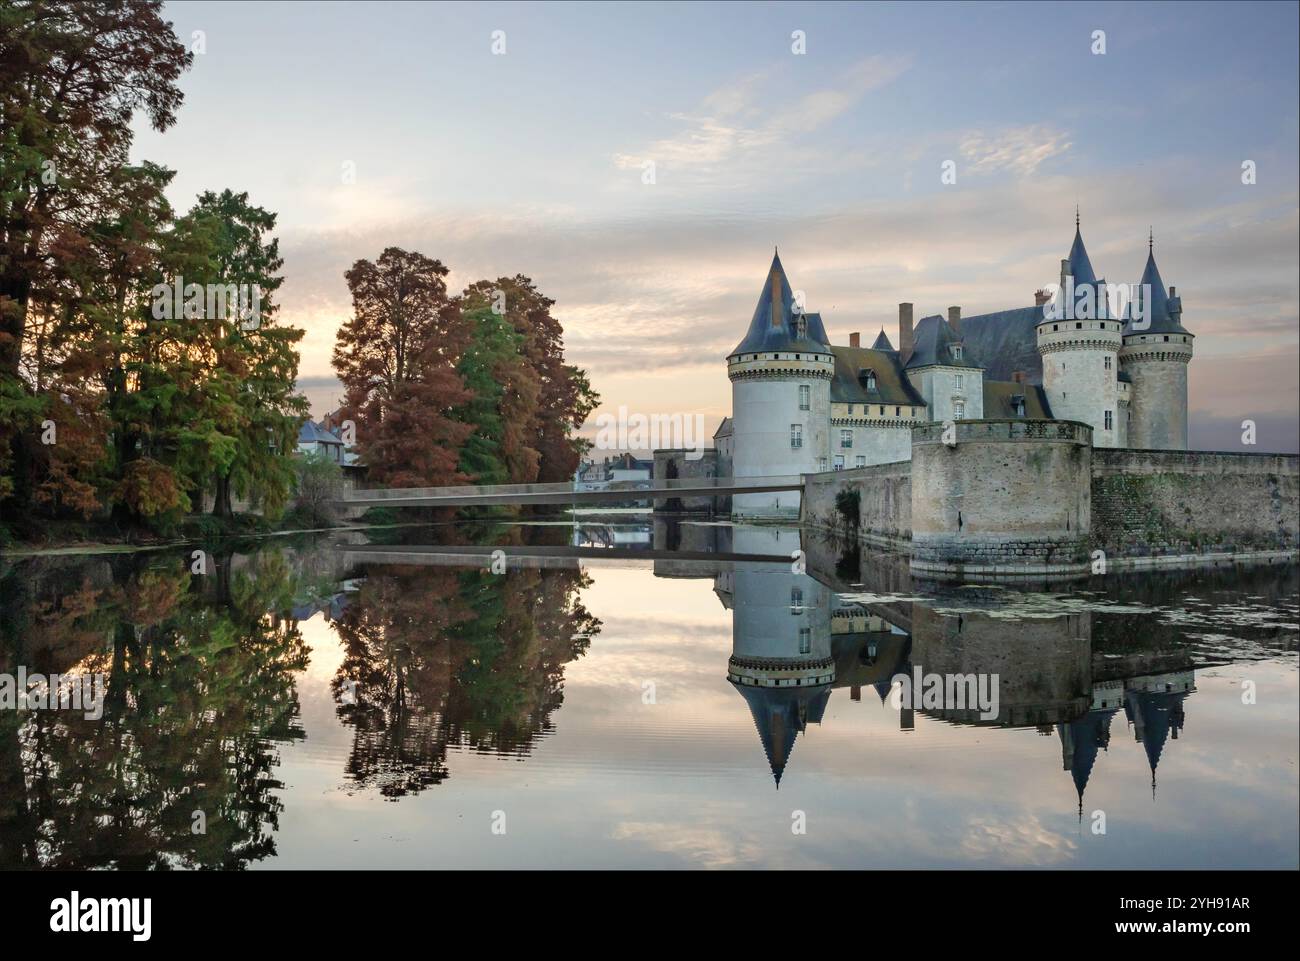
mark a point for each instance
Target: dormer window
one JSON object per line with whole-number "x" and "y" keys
{"x": 956, "y": 351}
{"x": 868, "y": 379}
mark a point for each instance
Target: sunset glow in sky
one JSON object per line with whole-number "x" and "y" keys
{"x": 531, "y": 162}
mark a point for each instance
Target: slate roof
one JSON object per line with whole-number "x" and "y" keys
{"x": 1005, "y": 341}
{"x": 999, "y": 400}
{"x": 725, "y": 429}
{"x": 882, "y": 341}
{"x": 934, "y": 337}
{"x": 780, "y": 714}
{"x": 1080, "y": 265}
{"x": 310, "y": 432}
{"x": 1165, "y": 313}
{"x": 766, "y": 335}
{"x": 848, "y": 387}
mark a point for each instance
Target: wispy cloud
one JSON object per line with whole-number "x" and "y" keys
{"x": 742, "y": 120}
{"x": 1019, "y": 150}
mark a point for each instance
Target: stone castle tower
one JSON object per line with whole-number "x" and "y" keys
{"x": 1155, "y": 357}
{"x": 1080, "y": 343}
{"x": 780, "y": 397}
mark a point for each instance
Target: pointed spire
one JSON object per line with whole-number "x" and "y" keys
{"x": 1080, "y": 267}
{"x": 1151, "y": 239}
{"x": 1076, "y": 218}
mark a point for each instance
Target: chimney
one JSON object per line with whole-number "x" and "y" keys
{"x": 954, "y": 319}
{"x": 1017, "y": 377}
{"x": 1065, "y": 271}
{"x": 906, "y": 337}
{"x": 1040, "y": 297}
{"x": 855, "y": 339}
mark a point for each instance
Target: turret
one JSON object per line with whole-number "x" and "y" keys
{"x": 1079, "y": 342}
{"x": 1154, "y": 357}
{"x": 781, "y": 661}
{"x": 780, "y": 397}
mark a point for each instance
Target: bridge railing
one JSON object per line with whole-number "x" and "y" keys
{"x": 633, "y": 487}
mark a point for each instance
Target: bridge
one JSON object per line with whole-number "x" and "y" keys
{"x": 567, "y": 492}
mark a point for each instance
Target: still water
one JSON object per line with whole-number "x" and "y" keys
{"x": 641, "y": 694}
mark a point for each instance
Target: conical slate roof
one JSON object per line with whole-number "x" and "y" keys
{"x": 882, "y": 341}
{"x": 1080, "y": 266}
{"x": 1163, "y": 319}
{"x": 775, "y": 324}
{"x": 780, "y": 714}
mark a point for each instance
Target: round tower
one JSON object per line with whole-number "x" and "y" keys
{"x": 780, "y": 397}
{"x": 1079, "y": 343}
{"x": 1156, "y": 352}
{"x": 781, "y": 660}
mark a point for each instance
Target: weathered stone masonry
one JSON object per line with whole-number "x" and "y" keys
{"x": 1151, "y": 504}
{"x": 1142, "y": 508}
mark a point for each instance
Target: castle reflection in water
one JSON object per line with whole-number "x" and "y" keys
{"x": 816, "y": 624}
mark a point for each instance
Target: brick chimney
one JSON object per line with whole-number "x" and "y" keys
{"x": 1017, "y": 376}
{"x": 1041, "y": 297}
{"x": 906, "y": 336}
{"x": 954, "y": 320}
{"x": 855, "y": 339}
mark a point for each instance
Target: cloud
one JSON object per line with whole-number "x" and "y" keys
{"x": 735, "y": 126}
{"x": 1019, "y": 150}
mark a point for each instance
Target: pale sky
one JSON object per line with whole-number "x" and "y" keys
{"x": 532, "y": 162}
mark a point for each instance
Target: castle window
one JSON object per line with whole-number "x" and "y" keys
{"x": 796, "y": 436}
{"x": 956, "y": 351}
{"x": 1078, "y": 326}
{"x": 882, "y": 410}
{"x": 1056, "y": 327}
{"x": 860, "y": 460}
{"x": 805, "y": 394}
{"x": 1166, "y": 338}
{"x": 838, "y": 463}
{"x": 805, "y": 640}
{"x": 898, "y": 412}
{"x": 796, "y": 356}
{"x": 1109, "y": 421}
{"x": 846, "y": 438}
{"x": 796, "y": 600}
{"x": 961, "y": 381}
{"x": 871, "y": 380}
{"x": 821, "y": 464}
{"x": 1108, "y": 361}
{"x": 958, "y": 409}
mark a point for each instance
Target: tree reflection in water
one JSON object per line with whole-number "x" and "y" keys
{"x": 435, "y": 658}
{"x": 199, "y": 693}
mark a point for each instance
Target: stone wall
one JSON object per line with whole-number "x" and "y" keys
{"x": 676, "y": 463}
{"x": 1008, "y": 498}
{"x": 884, "y": 502}
{"x": 1165, "y": 506}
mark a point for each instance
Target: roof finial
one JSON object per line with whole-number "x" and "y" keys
{"x": 1151, "y": 239}
{"x": 1076, "y": 216}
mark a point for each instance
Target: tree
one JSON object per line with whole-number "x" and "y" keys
{"x": 564, "y": 397}
{"x": 319, "y": 485}
{"x": 73, "y": 73}
{"x": 489, "y": 368}
{"x": 255, "y": 410}
{"x": 397, "y": 357}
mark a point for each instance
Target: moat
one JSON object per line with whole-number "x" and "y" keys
{"x": 628, "y": 692}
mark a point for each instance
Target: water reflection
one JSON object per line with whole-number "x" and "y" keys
{"x": 439, "y": 656}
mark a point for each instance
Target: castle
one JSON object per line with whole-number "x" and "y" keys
{"x": 801, "y": 405}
